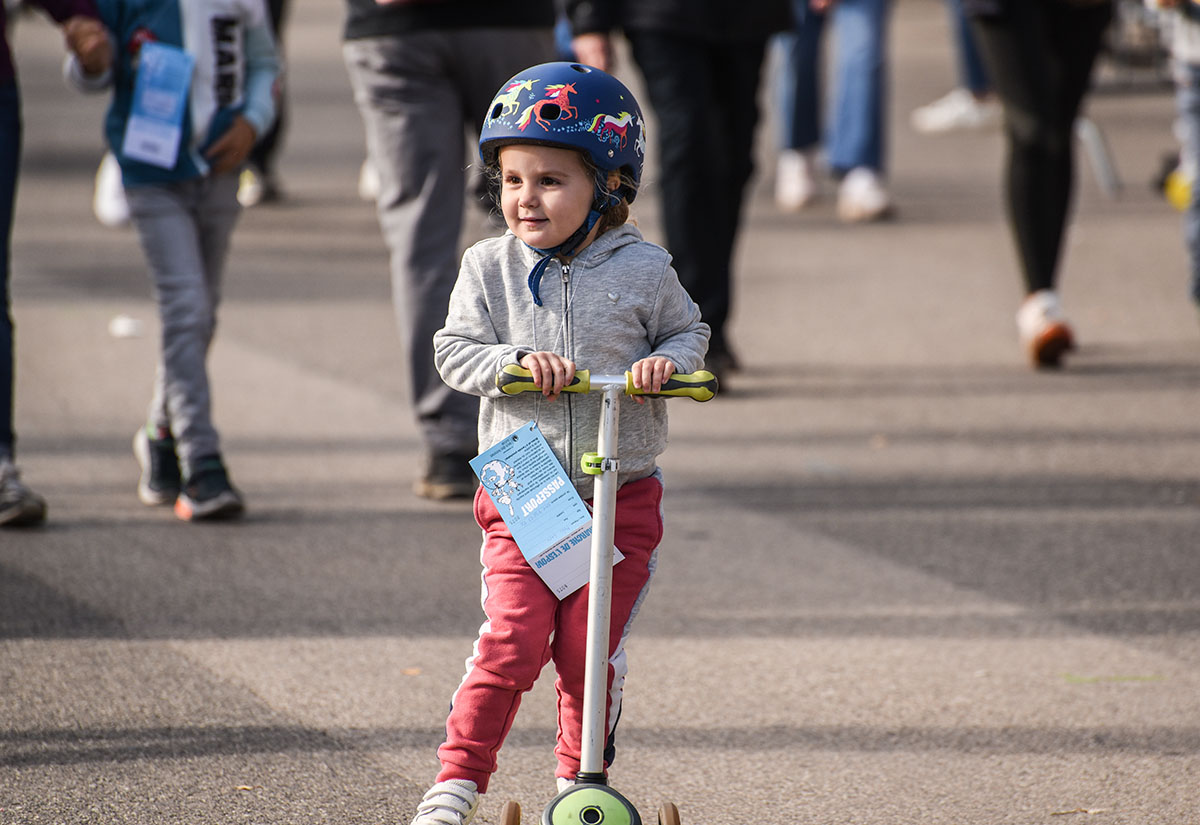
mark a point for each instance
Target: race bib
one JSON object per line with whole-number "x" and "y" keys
{"x": 160, "y": 97}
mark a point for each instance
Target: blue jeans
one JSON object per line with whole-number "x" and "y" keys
{"x": 855, "y": 136}
{"x": 971, "y": 72}
{"x": 1187, "y": 99}
{"x": 10, "y": 158}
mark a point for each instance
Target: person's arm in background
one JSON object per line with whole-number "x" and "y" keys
{"x": 84, "y": 35}
{"x": 592, "y": 23}
{"x": 88, "y": 40}
{"x": 90, "y": 46}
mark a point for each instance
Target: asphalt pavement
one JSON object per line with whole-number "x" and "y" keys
{"x": 906, "y": 578}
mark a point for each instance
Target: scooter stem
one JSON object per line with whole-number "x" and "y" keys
{"x": 604, "y": 507}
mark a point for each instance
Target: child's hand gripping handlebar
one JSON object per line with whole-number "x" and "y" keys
{"x": 700, "y": 386}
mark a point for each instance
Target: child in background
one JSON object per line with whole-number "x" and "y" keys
{"x": 220, "y": 68}
{"x": 570, "y": 281}
{"x": 1185, "y": 53}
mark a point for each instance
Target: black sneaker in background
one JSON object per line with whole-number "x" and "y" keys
{"x": 447, "y": 476}
{"x": 160, "y": 481}
{"x": 19, "y": 506}
{"x": 207, "y": 494}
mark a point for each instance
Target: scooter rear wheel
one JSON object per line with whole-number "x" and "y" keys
{"x": 510, "y": 814}
{"x": 668, "y": 814}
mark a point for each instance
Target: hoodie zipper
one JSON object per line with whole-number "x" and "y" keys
{"x": 566, "y": 304}
{"x": 566, "y": 281}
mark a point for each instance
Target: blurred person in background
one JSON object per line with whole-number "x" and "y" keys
{"x": 423, "y": 75}
{"x": 1185, "y": 55}
{"x": 1039, "y": 55}
{"x": 88, "y": 41}
{"x": 701, "y": 64}
{"x": 209, "y": 69}
{"x": 259, "y": 181}
{"x": 855, "y": 137}
{"x": 969, "y": 105}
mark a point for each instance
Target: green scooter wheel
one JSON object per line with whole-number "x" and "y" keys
{"x": 590, "y": 805}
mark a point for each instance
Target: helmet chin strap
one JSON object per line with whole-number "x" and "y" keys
{"x": 568, "y": 247}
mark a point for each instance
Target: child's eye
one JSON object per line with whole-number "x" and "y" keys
{"x": 549, "y": 181}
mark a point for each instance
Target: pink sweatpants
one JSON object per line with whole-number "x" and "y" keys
{"x": 527, "y": 626}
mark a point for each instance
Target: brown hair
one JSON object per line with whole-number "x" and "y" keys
{"x": 617, "y": 213}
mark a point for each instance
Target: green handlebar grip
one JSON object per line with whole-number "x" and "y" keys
{"x": 700, "y": 386}
{"x": 513, "y": 380}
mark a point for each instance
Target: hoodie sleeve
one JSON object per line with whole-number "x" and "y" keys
{"x": 263, "y": 67}
{"x": 677, "y": 331}
{"x": 467, "y": 350}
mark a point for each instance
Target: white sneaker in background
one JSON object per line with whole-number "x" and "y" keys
{"x": 957, "y": 109}
{"x": 562, "y": 783}
{"x": 862, "y": 197}
{"x": 251, "y": 187}
{"x": 108, "y": 201}
{"x": 795, "y": 179}
{"x": 452, "y": 802}
{"x": 1043, "y": 329}
{"x": 368, "y": 182}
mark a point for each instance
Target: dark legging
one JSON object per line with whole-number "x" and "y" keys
{"x": 263, "y": 153}
{"x": 10, "y": 155}
{"x": 706, "y": 97}
{"x": 1039, "y": 54}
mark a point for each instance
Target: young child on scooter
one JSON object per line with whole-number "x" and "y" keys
{"x": 570, "y": 282}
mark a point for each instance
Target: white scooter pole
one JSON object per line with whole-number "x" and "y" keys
{"x": 604, "y": 509}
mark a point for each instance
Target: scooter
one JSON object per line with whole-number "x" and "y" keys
{"x": 590, "y": 801}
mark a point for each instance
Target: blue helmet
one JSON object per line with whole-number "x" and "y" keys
{"x": 570, "y": 106}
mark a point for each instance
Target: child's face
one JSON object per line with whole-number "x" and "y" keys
{"x": 545, "y": 193}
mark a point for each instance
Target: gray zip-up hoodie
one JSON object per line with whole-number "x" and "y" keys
{"x": 617, "y": 302}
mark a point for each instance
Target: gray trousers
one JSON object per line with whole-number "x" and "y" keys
{"x": 184, "y": 230}
{"x": 418, "y": 93}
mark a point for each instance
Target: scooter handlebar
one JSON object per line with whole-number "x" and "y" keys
{"x": 699, "y": 386}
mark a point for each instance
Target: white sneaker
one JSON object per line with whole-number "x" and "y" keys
{"x": 108, "y": 201}
{"x": 562, "y": 783}
{"x": 957, "y": 109}
{"x": 1043, "y": 329}
{"x": 452, "y": 802}
{"x": 862, "y": 197}
{"x": 250, "y": 187}
{"x": 368, "y": 181}
{"x": 795, "y": 179}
